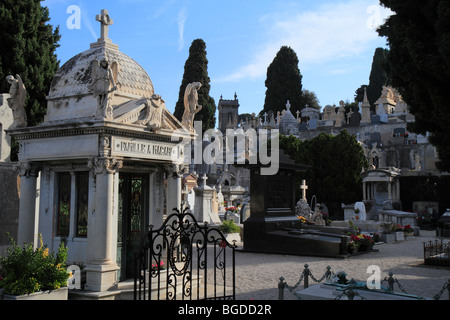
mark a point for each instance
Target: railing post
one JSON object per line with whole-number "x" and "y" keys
{"x": 448, "y": 288}
{"x": 281, "y": 286}
{"x": 391, "y": 282}
{"x": 306, "y": 273}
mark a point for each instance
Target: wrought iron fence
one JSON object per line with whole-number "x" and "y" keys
{"x": 183, "y": 260}
{"x": 436, "y": 253}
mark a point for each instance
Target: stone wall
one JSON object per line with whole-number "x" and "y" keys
{"x": 9, "y": 205}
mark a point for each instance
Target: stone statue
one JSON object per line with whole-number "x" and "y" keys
{"x": 317, "y": 217}
{"x": 154, "y": 109}
{"x": 191, "y": 106}
{"x": 16, "y": 101}
{"x": 103, "y": 84}
{"x": 340, "y": 119}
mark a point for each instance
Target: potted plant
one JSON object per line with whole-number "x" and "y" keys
{"x": 399, "y": 232}
{"x": 408, "y": 231}
{"x": 388, "y": 234}
{"x": 353, "y": 245}
{"x": 356, "y": 214}
{"x": 366, "y": 242}
{"x": 34, "y": 274}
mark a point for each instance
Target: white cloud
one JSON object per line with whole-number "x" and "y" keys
{"x": 181, "y": 21}
{"x": 332, "y": 32}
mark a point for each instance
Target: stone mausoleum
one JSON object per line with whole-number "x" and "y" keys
{"x": 98, "y": 163}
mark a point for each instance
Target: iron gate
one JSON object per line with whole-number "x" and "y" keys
{"x": 184, "y": 260}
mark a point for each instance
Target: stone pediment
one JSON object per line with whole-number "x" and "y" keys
{"x": 146, "y": 112}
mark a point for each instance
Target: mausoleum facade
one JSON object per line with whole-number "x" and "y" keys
{"x": 99, "y": 161}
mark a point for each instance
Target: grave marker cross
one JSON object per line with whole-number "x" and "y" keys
{"x": 304, "y": 187}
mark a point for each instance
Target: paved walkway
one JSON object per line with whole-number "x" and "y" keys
{"x": 257, "y": 275}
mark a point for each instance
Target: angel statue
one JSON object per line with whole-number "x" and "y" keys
{"x": 16, "y": 101}
{"x": 191, "y": 106}
{"x": 103, "y": 84}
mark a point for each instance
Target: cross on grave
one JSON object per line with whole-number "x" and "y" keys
{"x": 298, "y": 115}
{"x": 265, "y": 117}
{"x": 105, "y": 22}
{"x": 304, "y": 187}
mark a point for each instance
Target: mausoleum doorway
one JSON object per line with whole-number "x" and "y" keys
{"x": 133, "y": 219}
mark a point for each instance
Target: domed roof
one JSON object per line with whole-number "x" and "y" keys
{"x": 288, "y": 117}
{"x": 81, "y": 85}
{"x": 74, "y": 77}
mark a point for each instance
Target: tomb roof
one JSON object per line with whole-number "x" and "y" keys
{"x": 75, "y": 76}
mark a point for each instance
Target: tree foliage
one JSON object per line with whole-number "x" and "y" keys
{"x": 310, "y": 99}
{"x": 284, "y": 82}
{"x": 27, "y": 48}
{"x": 378, "y": 77}
{"x": 335, "y": 164}
{"x": 418, "y": 65}
{"x": 196, "y": 70}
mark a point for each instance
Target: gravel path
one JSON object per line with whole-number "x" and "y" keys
{"x": 257, "y": 275}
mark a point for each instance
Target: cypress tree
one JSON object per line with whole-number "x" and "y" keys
{"x": 284, "y": 82}
{"x": 378, "y": 77}
{"x": 196, "y": 70}
{"x": 27, "y": 48}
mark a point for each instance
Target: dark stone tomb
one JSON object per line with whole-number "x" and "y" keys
{"x": 273, "y": 226}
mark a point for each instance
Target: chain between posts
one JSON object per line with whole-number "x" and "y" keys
{"x": 350, "y": 290}
{"x": 306, "y": 274}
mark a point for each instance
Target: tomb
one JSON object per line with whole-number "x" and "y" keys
{"x": 274, "y": 227}
{"x": 109, "y": 161}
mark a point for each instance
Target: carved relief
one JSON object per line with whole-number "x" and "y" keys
{"x": 153, "y": 112}
{"x": 107, "y": 165}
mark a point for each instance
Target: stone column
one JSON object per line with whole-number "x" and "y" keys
{"x": 397, "y": 189}
{"x": 203, "y": 197}
{"x": 101, "y": 269}
{"x": 174, "y": 188}
{"x": 364, "y": 191}
{"x": 389, "y": 190}
{"x": 28, "y": 220}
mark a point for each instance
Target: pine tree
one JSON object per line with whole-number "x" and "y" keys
{"x": 284, "y": 82}
{"x": 196, "y": 70}
{"x": 27, "y": 48}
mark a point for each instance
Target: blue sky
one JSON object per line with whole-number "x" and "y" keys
{"x": 334, "y": 40}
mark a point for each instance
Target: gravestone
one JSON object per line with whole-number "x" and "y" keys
{"x": 375, "y": 119}
{"x": 355, "y": 119}
{"x": 312, "y": 124}
{"x": 274, "y": 227}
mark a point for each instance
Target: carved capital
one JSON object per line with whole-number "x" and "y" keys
{"x": 107, "y": 165}
{"x": 177, "y": 170}
{"x": 26, "y": 169}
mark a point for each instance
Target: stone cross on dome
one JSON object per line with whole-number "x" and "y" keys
{"x": 105, "y": 22}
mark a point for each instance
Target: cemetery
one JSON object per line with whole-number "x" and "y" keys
{"x": 105, "y": 180}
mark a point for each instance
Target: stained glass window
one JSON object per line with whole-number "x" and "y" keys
{"x": 63, "y": 224}
{"x": 82, "y": 184}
